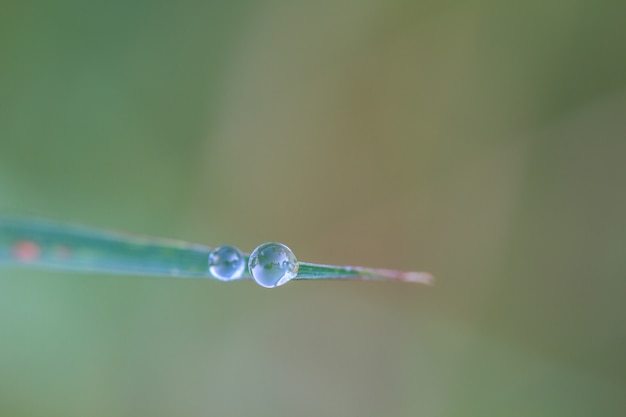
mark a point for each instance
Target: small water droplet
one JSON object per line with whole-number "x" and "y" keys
{"x": 226, "y": 263}
{"x": 272, "y": 264}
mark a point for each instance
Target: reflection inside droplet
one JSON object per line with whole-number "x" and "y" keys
{"x": 272, "y": 264}
{"x": 226, "y": 263}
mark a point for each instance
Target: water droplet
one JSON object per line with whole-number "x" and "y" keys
{"x": 226, "y": 263}
{"x": 272, "y": 264}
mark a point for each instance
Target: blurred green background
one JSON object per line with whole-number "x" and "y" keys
{"x": 482, "y": 141}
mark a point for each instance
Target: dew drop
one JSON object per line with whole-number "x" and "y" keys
{"x": 226, "y": 263}
{"x": 272, "y": 264}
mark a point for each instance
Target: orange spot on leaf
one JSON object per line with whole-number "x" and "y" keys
{"x": 26, "y": 251}
{"x": 62, "y": 252}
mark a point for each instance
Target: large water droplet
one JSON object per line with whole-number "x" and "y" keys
{"x": 226, "y": 263}
{"x": 272, "y": 264}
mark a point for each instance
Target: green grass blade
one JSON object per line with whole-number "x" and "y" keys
{"x": 38, "y": 243}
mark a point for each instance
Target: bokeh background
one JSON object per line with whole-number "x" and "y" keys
{"x": 482, "y": 141}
